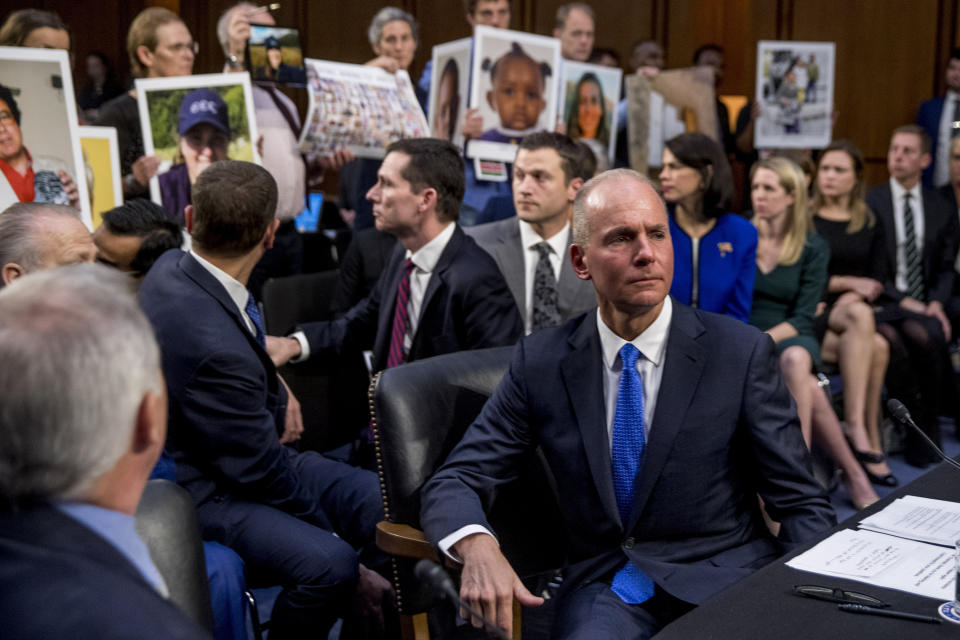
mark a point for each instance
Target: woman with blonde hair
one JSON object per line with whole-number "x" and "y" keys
{"x": 791, "y": 275}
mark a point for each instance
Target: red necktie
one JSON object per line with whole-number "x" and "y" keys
{"x": 400, "y": 317}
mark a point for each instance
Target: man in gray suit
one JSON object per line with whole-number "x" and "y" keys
{"x": 532, "y": 249}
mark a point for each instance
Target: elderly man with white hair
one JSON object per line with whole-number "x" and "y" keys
{"x": 84, "y": 420}
{"x": 36, "y": 236}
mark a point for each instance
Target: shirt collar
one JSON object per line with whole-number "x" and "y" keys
{"x": 898, "y": 191}
{"x": 652, "y": 343}
{"x": 530, "y": 238}
{"x": 237, "y": 292}
{"x": 427, "y": 256}
{"x": 119, "y": 530}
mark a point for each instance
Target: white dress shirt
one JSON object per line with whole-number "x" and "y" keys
{"x": 237, "y": 291}
{"x": 425, "y": 261}
{"x": 529, "y": 239}
{"x": 652, "y": 345}
{"x": 916, "y": 206}
{"x": 941, "y": 164}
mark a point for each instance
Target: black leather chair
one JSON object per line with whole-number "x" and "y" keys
{"x": 419, "y": 412}
{"x": 330, "y": 391}
{"x": 167, "y": 523}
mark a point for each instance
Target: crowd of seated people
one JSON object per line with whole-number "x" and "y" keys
{"x": 603, "y": 280}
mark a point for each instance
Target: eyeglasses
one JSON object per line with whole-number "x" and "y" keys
{"x": 180, "y": 47}
{"x": 830, "y": 594}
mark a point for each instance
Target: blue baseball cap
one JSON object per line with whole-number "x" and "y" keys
{"x": 271, "y": 43}
{"x": 203, "y": 105}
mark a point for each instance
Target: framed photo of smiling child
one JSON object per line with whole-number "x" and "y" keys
{"x": 513, "y": 85}
{"x": 190, "y": 122}
{"x": 588, "y": 102}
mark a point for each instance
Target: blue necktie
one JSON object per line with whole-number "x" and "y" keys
{"x": 253, "y": 312}
{"x": 629, "y": 441}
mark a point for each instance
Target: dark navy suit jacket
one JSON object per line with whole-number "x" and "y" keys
{"x": 59, "y": 579}
{"x": 467, "y": 305}
{"x": 725, "y": 430}
{"x": 928, "y": 117}
{"x": 227, "y": 405}
{"x": 940, "y": 237}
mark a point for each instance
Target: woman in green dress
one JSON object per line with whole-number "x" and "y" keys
{"x": 790, "y": 280}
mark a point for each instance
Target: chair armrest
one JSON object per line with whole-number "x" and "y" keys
{"x": 403, "y": 540}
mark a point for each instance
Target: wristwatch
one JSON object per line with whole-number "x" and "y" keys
{"x": 234, "y": 62}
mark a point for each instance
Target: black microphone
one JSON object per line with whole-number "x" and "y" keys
{"x": 433, "y": 575}
{"x": 900, "y": 412}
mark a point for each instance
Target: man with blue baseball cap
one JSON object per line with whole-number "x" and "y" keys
{"x": 204, "y": 130}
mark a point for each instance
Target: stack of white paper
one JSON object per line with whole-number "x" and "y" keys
{"x": 883, "y": 560}
{"x": 923, "y": 519}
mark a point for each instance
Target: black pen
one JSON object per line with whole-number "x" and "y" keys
{"x": 872, "y": 611}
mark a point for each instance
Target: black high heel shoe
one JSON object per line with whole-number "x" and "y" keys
{"x": 865, "y": 458}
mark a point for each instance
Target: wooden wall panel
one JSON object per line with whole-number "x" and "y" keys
{"x": 885, "y": 66}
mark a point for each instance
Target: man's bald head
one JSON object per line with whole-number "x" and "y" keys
{"x": 36, "y": 236}
{"x": 583, "y": 204}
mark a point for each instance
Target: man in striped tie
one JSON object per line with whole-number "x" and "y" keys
{"x": 439, "y": 292}
{"x": 661, "y": 424}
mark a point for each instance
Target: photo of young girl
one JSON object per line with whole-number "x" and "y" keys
{"x": 513, "y": 86}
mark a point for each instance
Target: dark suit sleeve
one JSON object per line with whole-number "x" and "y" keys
{"x": 349, "y": 289}
{"x": 355, "y": 330}
{"x": 232, "y": 429}
{"x": 813, "y": 280}
{"x": 945, "y": 250}
{"x": 876, "y": 203}
{"x": 490, "y": 314}
{"x": 486, "y": 457}
{"x": 782, "y": 473}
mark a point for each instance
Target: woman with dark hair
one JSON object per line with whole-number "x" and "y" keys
{"x": 35, "y": 28}
{"x": 101, "y": 85}
{"x": 858, "y": 268}
{"x": 588, "y": 112}
{"x": 714, "y": 251}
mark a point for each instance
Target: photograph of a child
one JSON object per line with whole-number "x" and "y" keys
{"x": 102, "y": 159}
{"x": 448, "y": 91}
{"x": 588, "y": 103}
{"x": 40, "y": 155}
{"x": 190, "y": 127}
{"x": 795, "y": 94}
{"x": 274, "y": 55}
{"x": 514, "y": 87}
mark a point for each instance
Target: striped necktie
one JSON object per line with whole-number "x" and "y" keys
{"x": 400, "y": 318}
{"x": 914, "y": 269}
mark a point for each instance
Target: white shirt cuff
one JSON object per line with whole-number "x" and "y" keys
{"x": 446, "y": 544}
{"x": 300, "y": 337}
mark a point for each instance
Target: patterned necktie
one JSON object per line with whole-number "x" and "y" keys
{"x": 545, "y": 311}
{"x": 400, "y": 318}
{"x": 253, "y": 312}
{"x": 914, "y": 270}
{"x": 629, "y": 442}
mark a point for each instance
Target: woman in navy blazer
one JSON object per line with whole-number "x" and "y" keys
{"x": 714, "y": 251}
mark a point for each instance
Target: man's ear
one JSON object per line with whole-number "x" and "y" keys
{"x": 925, "y": 160}
{"x": 578, "y": 258}
{"x": 270, "y": 234}
{"x": 573, "y": 187}
{"x": 188, "y": 217}
{"x": 428, "y": 199}
{"x": 150, "y": 433}
{"x": 10, "y": 272}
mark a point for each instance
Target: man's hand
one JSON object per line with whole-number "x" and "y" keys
{"x": 144, "y": 168}
{"x": 488, "y": 583}
{"x": 372, "y": 590}
{"x": 647, "y": 72}
{"x": 238, "y": 29}
{"x": 293, "y": 423}
{"x": 935, "y": 310}
{"x": 282, "y": 350}
{"x": 386, "y": 63}
{"x": 69, "y": 189}
{"x": 472, "y": 124}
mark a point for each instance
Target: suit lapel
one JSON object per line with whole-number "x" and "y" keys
{"x": 509, "y": 256}
{"x": 582, "y": 372}
{"x": 683, "y": 366}
{"x": 437, "y": 277}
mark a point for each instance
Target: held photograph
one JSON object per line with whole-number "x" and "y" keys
{"x": 274, "y": 55}
{"x": 795, "y": 94}
{"x": 102, "y": 159}
{"x": 588, "y": 102}
{"x": 448, "y": 90}
{"x": 513, "y": 84}
{"x": 190, "y": 122}
{"x": 40, "y": 155}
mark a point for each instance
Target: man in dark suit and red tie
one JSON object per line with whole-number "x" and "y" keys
{"x": 439, "y": 292}
{"x": 665, "y": 424}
